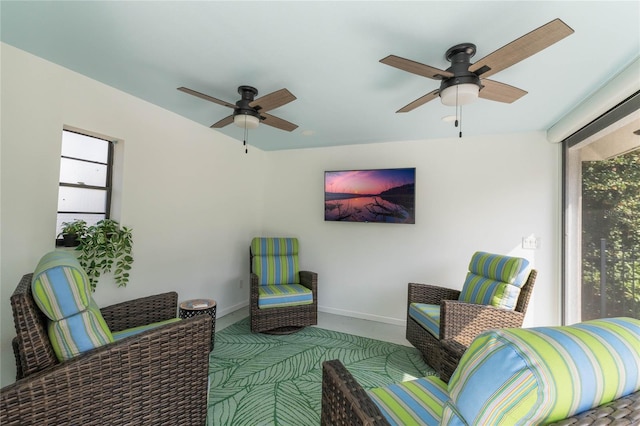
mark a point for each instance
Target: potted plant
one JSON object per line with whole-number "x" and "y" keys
{"x": 104, "y": 247}
{"x": 72, "y": 232}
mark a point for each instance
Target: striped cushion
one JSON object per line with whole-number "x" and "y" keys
{"x": 542, "y": 375}
{"x": 450, "y": 415}
{"x": 275, "y": 260}
{"x": 61, "y": 290}
{"x": 275, "y": 296}
{"x": 494, "y": 280}
{"x": 78, "y": 333}
{"x": 60, "y": 286}
{"x": 415, "y": 402}
{"x": 119, "y": 335}
{"x": 428, "y": 316}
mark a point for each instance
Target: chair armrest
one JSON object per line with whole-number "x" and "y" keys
{"x": 344, "y": 401}
{"x": 254, "y": 282}
{"x": 462, "y": 322}
{"x": 156, "y": 377}
{"x": 309, "y": 280}
{"x": 431, "y": 294}
{"x": 142, "y": 311}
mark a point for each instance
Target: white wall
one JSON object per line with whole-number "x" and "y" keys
{"x": 478, "y": 193}
{"x": 194, "y": 201}
{"x": 188, "y": 191}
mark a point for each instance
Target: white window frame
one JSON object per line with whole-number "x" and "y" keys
{"x": 108, "y": 187}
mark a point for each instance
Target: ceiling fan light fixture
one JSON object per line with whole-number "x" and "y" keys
{"x": 246, "y": 121}
{"x": 460, "y": 94}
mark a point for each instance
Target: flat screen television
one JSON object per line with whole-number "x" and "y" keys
{"x": 376, "y": 195}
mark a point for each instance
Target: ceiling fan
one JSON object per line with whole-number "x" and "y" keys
{"x": 249, "y": 112}
{"x": 463, "y": 82}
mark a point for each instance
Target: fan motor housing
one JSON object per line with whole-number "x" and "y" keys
{"x": 460, "y": 57}
{"x": 247, "y": 95}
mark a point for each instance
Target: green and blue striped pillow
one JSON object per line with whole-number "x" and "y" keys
{"x": 79, "y": 333}
{"x": 275, "y": 260}
{"x": 546, "y": 374}
{"x": 60, "y": 288}
{"x": 494, "y": 280}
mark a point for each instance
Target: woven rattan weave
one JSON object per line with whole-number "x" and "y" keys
{"x": 156, "y": 377}
{"x": 285, "y": 319}
{"x": 459, "y": 321}
{"x": 282, "y": 320}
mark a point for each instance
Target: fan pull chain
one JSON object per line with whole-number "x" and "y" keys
{"x": 458, "y": 114}
{"x": 456, "y": 106}
{"x": 246, "y": 135}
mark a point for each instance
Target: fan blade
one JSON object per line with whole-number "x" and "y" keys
{"x": 278, "y": 123}
{"x": 224, "y": 122}
{"x": 416, "y": 67}
{"x": 272, "y": 100}
{"x": 420, "y": 101}
{"x": 500, "y": 92}
{"x": 521, "y": 48}
{"x": 206, "y": 97}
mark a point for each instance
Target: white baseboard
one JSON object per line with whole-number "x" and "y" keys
{"x": 361, "y": 315}
{"x": 343, "y": 312}
{"x": 230, "y": 309}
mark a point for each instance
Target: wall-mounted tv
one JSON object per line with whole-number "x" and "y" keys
{"x": 378, "y": 195}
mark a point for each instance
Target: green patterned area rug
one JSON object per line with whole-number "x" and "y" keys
{"x": 258, "y": 379}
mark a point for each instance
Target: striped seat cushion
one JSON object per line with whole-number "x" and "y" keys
{"x": 276, "y": 296}
{"x": 546, "y": 374}
{"x": 275, "y": 260}
{"x": 119, "y": 335}
{"x": 415, "y": 402}
{"x": 428, "y": 316}
{"x": 494, "y": 280}
{"x": 61, "y": 290}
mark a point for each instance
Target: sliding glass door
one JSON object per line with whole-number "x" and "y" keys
{"x": 602, "y": 223}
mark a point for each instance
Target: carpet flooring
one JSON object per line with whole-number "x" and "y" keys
{"x": 259, "y": 379}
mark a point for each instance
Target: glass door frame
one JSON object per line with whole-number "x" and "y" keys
{"x": 621, "y": 115}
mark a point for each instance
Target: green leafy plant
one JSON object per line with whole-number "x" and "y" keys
{"x": 72, "y": 232}
{"x": 104, "y": 247}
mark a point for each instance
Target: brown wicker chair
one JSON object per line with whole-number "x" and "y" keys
{"x": 345, "y": 402}
{"x": 282, "y": 320}
{"x": 459, "y": 321}
{"x": 157, "y": 377}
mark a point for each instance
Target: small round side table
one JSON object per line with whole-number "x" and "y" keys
{"x": 193, "y": 307}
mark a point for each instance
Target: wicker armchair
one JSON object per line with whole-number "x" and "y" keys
{"x": 459, "y": 321}
{"x": 284, "y": 319}
{"x": 156, "y": 377}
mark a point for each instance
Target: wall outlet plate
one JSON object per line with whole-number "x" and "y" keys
{"x": 531, "y": 242}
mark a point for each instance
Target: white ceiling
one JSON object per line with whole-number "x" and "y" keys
{"x": 326, "y": 53}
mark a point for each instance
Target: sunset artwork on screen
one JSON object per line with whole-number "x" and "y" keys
{"x": 380, "y": 195}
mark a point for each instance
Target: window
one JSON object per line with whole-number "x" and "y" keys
{"x": 86, "y": 167}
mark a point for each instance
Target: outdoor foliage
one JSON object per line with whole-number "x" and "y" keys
{"x": 611, "y": 226}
